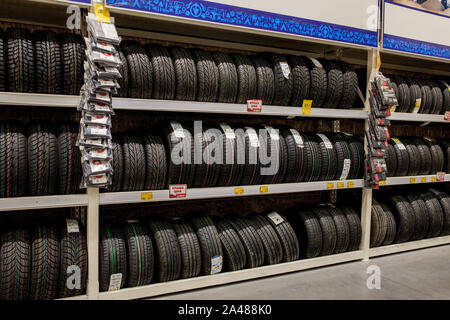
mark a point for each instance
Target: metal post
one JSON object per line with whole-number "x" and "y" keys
{"x": 92, "y": 289}
{"x": 373, "y": 65}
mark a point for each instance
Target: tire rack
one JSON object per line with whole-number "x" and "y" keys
{"x": 93, "y": 199}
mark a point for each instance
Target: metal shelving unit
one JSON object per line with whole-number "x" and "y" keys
{"x": 173, "y": 29}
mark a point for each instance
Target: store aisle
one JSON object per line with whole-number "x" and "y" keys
{"x": 421, "y": 274}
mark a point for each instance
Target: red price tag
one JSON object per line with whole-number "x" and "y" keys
{"x": 447, "y": 115}
{"x": 254, "y": 105}
{"x": 177, "y": 191}
{"x": 440, "y": 176}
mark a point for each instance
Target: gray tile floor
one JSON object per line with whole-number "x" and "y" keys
{"x": 421, "y": 274}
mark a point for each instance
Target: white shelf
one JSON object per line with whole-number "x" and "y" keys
{"x": 43, "y": 202}
{"x": 408, "y": 246}
{"x": 111, "y": 198}
{"x": 157, "y": 289}
{"x": 53, "y": 100}
{"x": 416, "y": 117}
{"x": 395, "y": 181}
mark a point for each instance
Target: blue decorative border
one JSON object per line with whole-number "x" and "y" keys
{"x": 244, "y": 17}
{"x": 414, "y": 46}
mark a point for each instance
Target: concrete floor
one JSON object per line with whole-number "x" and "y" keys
{"x": 421, "y": 274}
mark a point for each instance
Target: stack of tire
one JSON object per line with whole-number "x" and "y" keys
{"x": 39, "y": 159}
{"x": 43, "y": 262}
{"x": 410, "y": 217}
{"x": 176, "y": 73}
{"x": 159, "y": 250}
{"x": 154, "y": 162}
{"x": 41, "y": 61}
{"x": 411, "y": 156}
{"x": 426, "y": 96}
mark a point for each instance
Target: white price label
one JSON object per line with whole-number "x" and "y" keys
{"x": 325, "y": 140}
{"x": 98, "y": 131}
{"x": 177, "y": 129}
{"x": 229, "y": 133}
{"x": 101, "y": 107}
{"x": 115, "y": 281}
{"x": 400, "y": 145}
{"x": 253, "y": 136}
{"x": 297, "y": 138}
{"x": 72, "y": 226}
{"x": 216, "y": 264}
{"x": 345, "y": 169}
{"x": 275, "y": 217}
{"x": 285, "y": 69}
{"x": 273, "y": 133}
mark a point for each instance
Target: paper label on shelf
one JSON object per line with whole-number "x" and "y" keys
{"x": 264, "y": 189}
{"x": 423, "y": 179}
{"x": 253, "y": 137}
{"x": 72, "y": 226}
{"x": 216, "y": 264}
{"x": 382, "y": 182}
{"x": 100, "y": 179}
{"x": 147, "y": 196}
{"x": 114, "y": 282}
{"x": 297, "y": 138}
{"x": 417, "y": 105}
{"x": 330, "y": 185}
{"x": 177, "y": 129}
{"x": 238, "y": 190}
{"x": 306, "y": 107}
{"x": 285, "y": 69}
{"x": 272, "y": 133}
{"x": 400, "y": 145}
{"x": 412, "y": 180}
{"x": 447, "y": 116}
{"x": 325, "y": 140}
{"x": 350, "y": 184}
{"x": 229, "y": 133}
{"x": 177, "y": 191}
{"x": 433, "y": 179}
{"x": 393, "y": 108}
{"x": 254, "y": 105}
{"x": 275, "y": 217}
{"x": 440, "y": 176}
{"x": 345, "y": 169}
{"x": 340, "y": 185}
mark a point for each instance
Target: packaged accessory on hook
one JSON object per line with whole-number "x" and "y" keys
{"x": 96, "y": 105}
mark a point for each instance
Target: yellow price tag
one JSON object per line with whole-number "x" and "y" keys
{"x": 412, "y": 180}
{"x": 393, "y": 108}
{"x": 101, "y": 11}
{"x": 423, "y": 179}
{"x": 238, "y": 190}
{"x": 264, "y": 189}
{"x": 330, "y": 185}
{"x": 340, "y": 185}
{"x": 433, "y": 179}
{"x": 147, "y": 196}
{"x": 350, "y": 184}
{"x": 382, "y": 182}
{"x": 306, "y": 107}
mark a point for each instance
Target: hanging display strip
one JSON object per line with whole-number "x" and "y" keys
{"x": 346, "y": 21}
{"x": 100, "y": 84}
{"x": 422, "y": 30}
